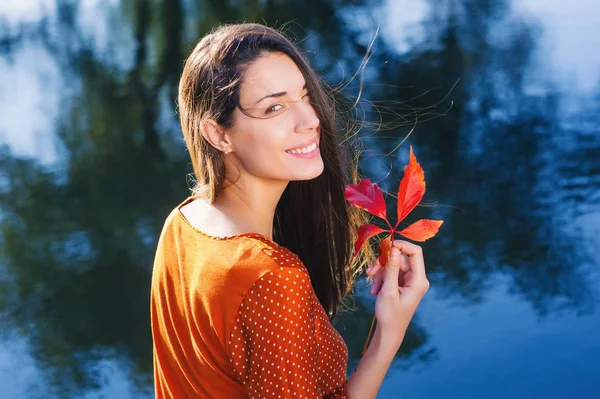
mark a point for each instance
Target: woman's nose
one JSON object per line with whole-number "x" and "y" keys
{"x": 306, "y": 118}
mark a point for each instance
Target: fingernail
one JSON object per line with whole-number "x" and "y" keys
{"x": 370, "y": 268}
{"x": 394, "y": 252}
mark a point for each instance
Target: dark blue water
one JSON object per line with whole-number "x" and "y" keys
{"x": 507, "y": 100}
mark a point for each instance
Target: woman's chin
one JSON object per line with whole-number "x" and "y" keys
{"x": 308, "y": 173}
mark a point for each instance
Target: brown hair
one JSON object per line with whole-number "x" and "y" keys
{"x": 312, "y": 218}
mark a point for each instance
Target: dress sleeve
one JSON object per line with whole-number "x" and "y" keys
{"x": 273, "y": 346}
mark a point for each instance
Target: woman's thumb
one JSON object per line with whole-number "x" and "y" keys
{"x": 392, "y": 270}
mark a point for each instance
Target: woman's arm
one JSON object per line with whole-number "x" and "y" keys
{"x": 399, "y": 287}
{"x": 372, "y": 368}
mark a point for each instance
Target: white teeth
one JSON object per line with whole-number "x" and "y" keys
{"x": 303, "y": 150}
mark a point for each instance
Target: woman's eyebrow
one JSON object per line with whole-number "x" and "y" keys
{"x": 278, "y": 94}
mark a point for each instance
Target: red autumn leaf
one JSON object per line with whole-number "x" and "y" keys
{"x": 365, "y": 232}
{"x": 384, "y": 251}
{"x": 411, "y": 189}
{"x": 422, "y": 230}
{"x": 367, "y": 196}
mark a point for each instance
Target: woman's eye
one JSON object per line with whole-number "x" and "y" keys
{"x": 274, "y": 108}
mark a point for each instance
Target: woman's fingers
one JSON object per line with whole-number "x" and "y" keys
{"x": 415, "y": 256}
{"x": 377, "y": 283}
{"x": 404, "y": 265}
{"x": 374, "y": 268}
{"x": 392, "y": 271}
{"x": 408, "y": 248}
{"x": 418, "y": 280}
{"x": 404, "y": 257}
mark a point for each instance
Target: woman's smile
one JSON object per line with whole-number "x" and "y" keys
{"x": 308, "y": 151}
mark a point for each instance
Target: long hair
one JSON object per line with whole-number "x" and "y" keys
{"x": 312, "y": 218}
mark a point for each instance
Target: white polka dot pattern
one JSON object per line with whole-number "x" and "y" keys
{"x": 282, "y": 344}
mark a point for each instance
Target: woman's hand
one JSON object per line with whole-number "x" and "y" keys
{"x": 399, "y": 287}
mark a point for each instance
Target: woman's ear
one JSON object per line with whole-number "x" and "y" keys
{"x": 216, "y": 135}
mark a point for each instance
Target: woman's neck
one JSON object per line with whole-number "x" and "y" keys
{"x": 251, "y": 205}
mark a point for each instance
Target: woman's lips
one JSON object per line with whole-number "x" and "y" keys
{"x": 310, "y": 154}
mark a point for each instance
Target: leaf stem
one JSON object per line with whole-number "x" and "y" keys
{"x": 369, "y": 335}
{"x": 389, "y": 225}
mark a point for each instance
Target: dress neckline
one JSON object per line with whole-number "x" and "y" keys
{"x": 259, "y": 236}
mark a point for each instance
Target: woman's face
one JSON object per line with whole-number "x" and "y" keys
{"x": 280, "y": 140}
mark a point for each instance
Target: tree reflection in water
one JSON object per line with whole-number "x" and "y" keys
{"x": 78, "y": 237}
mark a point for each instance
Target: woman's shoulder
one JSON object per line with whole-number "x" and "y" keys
{"x": 242, "y": 258}
{"x": 257, "y": 256}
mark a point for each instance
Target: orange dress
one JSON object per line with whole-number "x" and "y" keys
{"x": 237, "y": 317}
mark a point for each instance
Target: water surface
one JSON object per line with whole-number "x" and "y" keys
{"x": 507, "y": 96}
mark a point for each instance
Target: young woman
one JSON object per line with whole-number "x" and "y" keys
{"x": 250, "y": 269}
